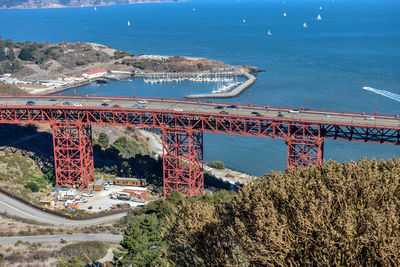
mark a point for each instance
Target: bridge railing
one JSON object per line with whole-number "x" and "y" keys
{"x": 207, "y": 103}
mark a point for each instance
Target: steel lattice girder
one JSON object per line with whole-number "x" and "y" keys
{"x": 231, "y": 124}
{"x": 73, "y": 154}
{"x": 183, "y": 162}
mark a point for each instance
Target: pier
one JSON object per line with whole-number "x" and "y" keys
{"x": 235, "y": 92}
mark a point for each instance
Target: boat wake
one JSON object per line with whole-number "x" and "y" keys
{"x": 388, "y": 94}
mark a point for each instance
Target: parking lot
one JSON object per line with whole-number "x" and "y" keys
{"x": 101, "y": 200}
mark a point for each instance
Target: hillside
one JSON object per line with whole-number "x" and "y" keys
{"x": 33, "y": 61}
{"x": 334, "y": 215}
{"x": 28, "y": 4}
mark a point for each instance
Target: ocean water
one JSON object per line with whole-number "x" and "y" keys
{"x": 356, "y": 44}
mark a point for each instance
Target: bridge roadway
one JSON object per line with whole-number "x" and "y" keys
{"x": 191, "y": 107}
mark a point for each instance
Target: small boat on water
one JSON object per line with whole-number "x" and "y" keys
{"x": 269, "y": 33}
{"x": 305, "y": 25}
{"x": 244, "y": 21}
{"x": 319, "y": 17}
{"x": 129, "y": 23}
{"x": 284, "y": 14}
{"x": 95, "y": 8}
{"x": 320, "y": 8}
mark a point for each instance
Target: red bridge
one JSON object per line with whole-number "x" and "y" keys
{"x": 182, "y": 124}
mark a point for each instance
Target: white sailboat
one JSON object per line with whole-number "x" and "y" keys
{"x": 269, "y": 33}
{"x": 284, "y": 14}
{"x": 305, "y": 25}
{"x": 129, "y": 23}
{"x": 244, "y": 21}
{"x": 319, "y": 17}
{"x": 95, "y": 8}
{"x": 320, "y": 8}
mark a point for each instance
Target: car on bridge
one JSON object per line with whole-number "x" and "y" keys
{"x": 280, "y": 115}
{"x": 178, "y": 109}
{"x": 105, "y": 105}
{"x": 66, "y": 104}
{"x": 234, "y": 107}
{"x": 294, "y": 111}
{"x": 256, "y": 113}
{"x": 30, "y": 103}
{"x": 223, "y": 112}
{"x": 219, "y": 107}
{"x": 142, "y": 102}
{"x": 369, "y": 118}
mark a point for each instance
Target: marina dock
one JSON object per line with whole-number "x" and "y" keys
{"x": 235, "y": 92}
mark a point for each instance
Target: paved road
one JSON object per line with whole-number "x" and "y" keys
{"x": 74, "y": 237}
{"x": 182, "y": 106}
{"x": 16, "y": 208}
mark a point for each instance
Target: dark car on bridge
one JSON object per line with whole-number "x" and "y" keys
{"x": 219, "y": 107}
{"x": 223, "y": 112}
{"x": 30, "y": 103}
{"x": 105, "y": 105}
{"x": 280, "y": 115}
{"x": 66, "y": 104}
{"x": 256, "y": 113}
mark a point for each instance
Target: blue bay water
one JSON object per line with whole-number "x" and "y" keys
{"x": 356, "y": 44}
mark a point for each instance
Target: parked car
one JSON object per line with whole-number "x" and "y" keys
{"x": 87, "y": 194}
{"x": 106, "y": 187}
{"x": 90, "y": 207}
{"x": 110, "y": 182}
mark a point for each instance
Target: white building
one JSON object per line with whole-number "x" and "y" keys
{"x": 95, "y": 73}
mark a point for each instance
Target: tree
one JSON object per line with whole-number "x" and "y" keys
{"x": 32, "y": 186}
{"x": 142, "y": 244}
{"x": 104, "y": 139}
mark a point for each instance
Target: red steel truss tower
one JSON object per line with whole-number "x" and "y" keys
{"x": 304, "y": 152}
{"x": 73, "y": 154}
{"x": 183, "y": 162}
{"x": 304, "y": 146}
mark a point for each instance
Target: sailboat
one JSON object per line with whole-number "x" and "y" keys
{"x": 95, "y": 8}
{"x": 129, "y": 23}
{"x": 305, "y": 25}
{"x": 269, "y": 33}
{"x": 320, "y": 8}
{"x": 319, "y": 17}
{"x": 244, "y": 21}
{"x": 284, "y": 14}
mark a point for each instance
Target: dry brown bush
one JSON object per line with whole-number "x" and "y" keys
{"x": 334, "y": 215}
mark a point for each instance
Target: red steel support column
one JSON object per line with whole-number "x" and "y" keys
{"x": 304, "y": 151}
{"x": 73, "y": 154}
{"x": 183, "y": 162}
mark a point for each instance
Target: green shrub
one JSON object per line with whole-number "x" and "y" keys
{"x": 32, "y": 186}
{"x": 80, "y": 63}
{"x": 219, "y": 165}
